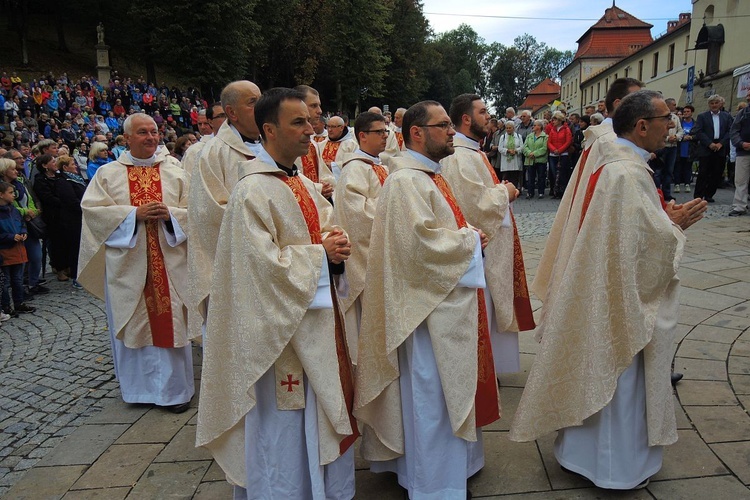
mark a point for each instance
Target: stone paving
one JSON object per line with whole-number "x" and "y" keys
{"x": 57, "y": 380}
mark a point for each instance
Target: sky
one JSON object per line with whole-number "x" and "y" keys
{"x": 553, "y": 29}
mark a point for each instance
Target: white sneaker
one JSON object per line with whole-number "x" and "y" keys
{"x": 676, "y": 188}
{"x": 4, "y": 317}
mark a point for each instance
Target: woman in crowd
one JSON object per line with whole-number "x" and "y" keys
{"x": 98, "y": 156}
{"x": 120, "y": 147}
{"x": 683, "y": 170}
{"x": 45, "y": 186}
{"x": 70, "y": 192}
{"x": 560, "y": 139}
{"x": 535, "y": 158}
{"x": 181, "y": 145}
{"x": 26, "y": 206}
{"x": 509, "y": 148}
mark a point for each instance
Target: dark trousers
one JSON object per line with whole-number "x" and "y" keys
{"x": 683, "y": 170}
{"x": 13, "y": 281}
{"x": 537, "y": 177}
{"x": 663, "y": 177}
{"x": 514, "y": 177}
{"x": 560, "y": 169}
{"x": 710, "y": 174}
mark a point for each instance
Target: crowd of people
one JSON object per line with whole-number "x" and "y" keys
{"x": 540, "y": 154}
{"x": 368, "y": 280}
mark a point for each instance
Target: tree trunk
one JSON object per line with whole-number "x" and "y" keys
{"x": 62, "y": 46}
{"x": 339, "y": 97}
{"x": 58, "y": 9}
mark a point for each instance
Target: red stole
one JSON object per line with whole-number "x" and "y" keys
{"x": 400, "y": 140}
{"x": 310, "y": 213}
{"x": 145, "y": 187}
{"x": 330, "y": 150}
{"x": 486, "y": 400}
{"x": 378, "y": 169}
{"x": 310, "y": 163}
{"x": 319, "y": 138}
{"x": 521, "y": 299}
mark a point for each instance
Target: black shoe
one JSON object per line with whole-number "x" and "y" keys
{"x": 676, "y": 377}
{"x": 24, "y": 308}
{"x": 736, "y": 213}
{"x": 541, "y": 196}
{"x": 180, "y": 408}
{"x": 39, "y": 289}
{"x": 10, "y": 312}
{"x": 41, "y": 282}
{"x": 710, "y": 200}
{"x": 529, "y": 196}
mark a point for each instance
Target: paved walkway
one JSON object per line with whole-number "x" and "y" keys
{"x": 57, "y": 380}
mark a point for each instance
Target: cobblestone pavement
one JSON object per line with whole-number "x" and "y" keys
{"x": 57, "y": 375}
{"x": 55, "y": 371}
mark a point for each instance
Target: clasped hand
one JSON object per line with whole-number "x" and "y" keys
{"x": 337, "y": 246}
{"x": 686, "y": 214}
{"x": 152, "y": 211}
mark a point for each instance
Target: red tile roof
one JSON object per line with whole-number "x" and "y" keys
{"x": 616, "y": 34}
{"x": 544, "y": 93}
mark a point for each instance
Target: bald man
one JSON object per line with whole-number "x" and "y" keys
{"x": 396, "y": 139}
{"x": 217, "y": 172}
{"x": 338, "y": 146}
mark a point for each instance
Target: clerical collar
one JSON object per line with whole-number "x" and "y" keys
{"x": 291, "y": 172}
{"x": 344, "y": 136}
{"x": 474, "y": 144}
{"x": 244, "y": 138}
{"x": 432, "y": 165}
{"x": 397, "y": 129}
{"x": 641, "y": 152}
{"x": 142, "y": 162}
{"x": 375, "y": 159}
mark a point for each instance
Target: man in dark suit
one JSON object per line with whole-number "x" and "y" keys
{"x": 712, "y": 131}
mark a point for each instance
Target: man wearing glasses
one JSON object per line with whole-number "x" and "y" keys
{"x": 339, "y": 143}
{"x": 602, "y": 374}
{"x": 417, "y": 375}
{"x": 362, "y": 176}
{"x": 485, "y": 201}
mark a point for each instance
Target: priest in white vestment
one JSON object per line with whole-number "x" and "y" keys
{"x": 425, "y": 379}
{"x": 485, "y": 202}
{"x": 339, "y": 143}
{"x": 277, "y": 388}
{"x": 311, "y": 164}
{"x": 134, "y": 257}
{"x": 192, "y": 155}
{"x": 395, "y": 142}
{"x": 602, "y": 373}
{"x": 357, "y": 192}
{"x": 211, "y": 183}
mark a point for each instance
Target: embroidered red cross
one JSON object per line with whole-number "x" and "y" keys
{"x": 289, "y": 383}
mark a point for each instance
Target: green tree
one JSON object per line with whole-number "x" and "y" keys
{"x": 513, "y": 71}
{"x": 405, "y": 80}
{"x": 355, "y": 63}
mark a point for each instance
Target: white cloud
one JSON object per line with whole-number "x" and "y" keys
{"x": 558, "y": 33}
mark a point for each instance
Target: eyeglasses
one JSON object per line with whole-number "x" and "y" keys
{"x": 667, "y": 117}
{"x": 382, "y": 131}
{"x": 442, "y": 125}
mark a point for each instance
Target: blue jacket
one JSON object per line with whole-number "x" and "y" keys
{"x": 11, "y": 223}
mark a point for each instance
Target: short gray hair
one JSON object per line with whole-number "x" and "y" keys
{"x": 540, "y": 123}
{"x": 716, "y": 98}
{"x": 127, "y": 126}
{"x": 632, "y": 108}
{"x": 525, "y": 112}
{"x": 510, "y": 109}
{"x": 45, "y": 143}
{"x": 598, "y": 117}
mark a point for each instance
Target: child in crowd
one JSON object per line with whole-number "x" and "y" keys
{"x": 12, "y": 252}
